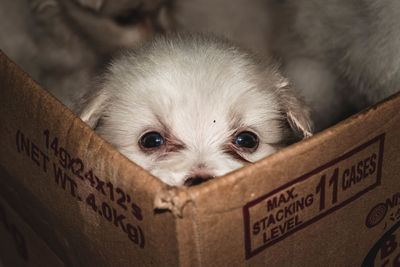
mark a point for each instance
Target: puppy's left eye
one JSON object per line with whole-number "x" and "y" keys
{"x": 246, "y": 140}
{"x": 151, "y": 140}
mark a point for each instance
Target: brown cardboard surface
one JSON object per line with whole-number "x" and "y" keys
{"x": 100, "y": 218}
{"x": 20, "y": 245}
{"x": 307, "y": 205}
{"x": 336, "y": 235}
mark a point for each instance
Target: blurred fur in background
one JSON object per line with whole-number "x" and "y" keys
{"x": 63, "y": 44}
{"x": 342, "y": 56}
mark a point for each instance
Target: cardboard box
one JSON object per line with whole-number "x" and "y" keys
{"x": 332, "y": 200}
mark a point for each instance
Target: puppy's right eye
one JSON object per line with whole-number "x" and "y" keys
{"x": 247, "y": 140}
{"x": 151, "y": 140}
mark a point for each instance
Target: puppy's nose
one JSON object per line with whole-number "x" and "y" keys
{"x": 197, "y": 179}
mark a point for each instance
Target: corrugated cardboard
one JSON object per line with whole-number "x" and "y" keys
{"x": 332, "y": 200}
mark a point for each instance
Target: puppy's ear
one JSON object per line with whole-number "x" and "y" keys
{"x": 92, "y": 109}
{"x": 296, "y": 111}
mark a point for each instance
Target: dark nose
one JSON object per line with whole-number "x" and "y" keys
{"x": 197, "y": 179}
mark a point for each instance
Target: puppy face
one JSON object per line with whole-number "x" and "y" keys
{"x": 190, "y": 108}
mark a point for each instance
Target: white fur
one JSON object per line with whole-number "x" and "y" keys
{"x": 200, "y": 91}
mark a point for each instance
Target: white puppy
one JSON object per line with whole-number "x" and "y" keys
{"x": 190, "y": 107}
{"x": 342, "y": 55}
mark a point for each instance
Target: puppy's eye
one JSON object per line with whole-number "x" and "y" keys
{"x": 246, "y": 140}
{"x": 151, "y": 140}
